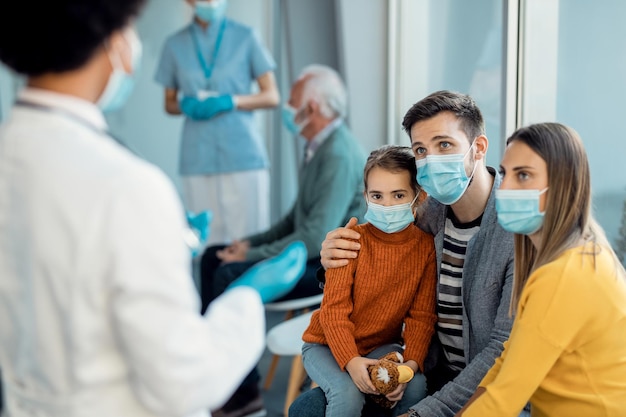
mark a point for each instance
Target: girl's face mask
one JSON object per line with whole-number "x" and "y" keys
{"x": 390, "y": 219}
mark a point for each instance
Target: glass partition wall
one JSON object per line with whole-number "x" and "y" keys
{"x": 524, "y": 61}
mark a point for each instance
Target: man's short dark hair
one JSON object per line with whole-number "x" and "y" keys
{"x": 54, "y": 36}
{"x": 461, "y": 105}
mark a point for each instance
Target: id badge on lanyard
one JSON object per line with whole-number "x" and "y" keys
{"x": 207, "y": 68}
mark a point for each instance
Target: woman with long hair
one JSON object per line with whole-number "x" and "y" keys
{"x": 567, "y": 350}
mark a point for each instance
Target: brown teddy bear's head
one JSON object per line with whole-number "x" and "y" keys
{"x": 386, "y": 375}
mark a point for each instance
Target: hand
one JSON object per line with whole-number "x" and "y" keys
{"x": 336, "y": 249}
{"x": 200, "y": 222}
{"x": 197, "y": 109}
{"x": 357, "y": 368}
{"x": 190, "y": 106}
{"x": 236, "y": 252}
{"x": 275, "y": 277}
{"x": 199, "y": 225}
{"x": 396, "y": 394}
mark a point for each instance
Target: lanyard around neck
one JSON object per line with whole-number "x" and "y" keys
{"x": 208, "y": 67}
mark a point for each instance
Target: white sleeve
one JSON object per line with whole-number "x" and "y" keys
{"x": 180, "y": 361}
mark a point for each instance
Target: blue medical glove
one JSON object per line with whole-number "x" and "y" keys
{"x": 199, "y": 225}
{"x": 275, "y": 277}
{"x": 189, "y": 106}
{"x": 205, "y": 109}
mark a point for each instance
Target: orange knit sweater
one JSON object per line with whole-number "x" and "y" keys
{"x": 391, "y": 282}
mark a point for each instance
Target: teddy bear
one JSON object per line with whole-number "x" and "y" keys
{"x": 386, "y": 375}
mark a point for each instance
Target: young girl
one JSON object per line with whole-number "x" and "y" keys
{"x": 366, "y": 303}
{"x": 567, "y": 349}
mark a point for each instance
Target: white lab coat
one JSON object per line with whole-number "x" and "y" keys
{"x": 98, "y": 312}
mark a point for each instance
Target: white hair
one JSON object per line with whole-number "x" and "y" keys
{"x": 325, "y": 86}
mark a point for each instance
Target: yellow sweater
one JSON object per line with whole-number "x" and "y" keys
{"x": 567, "y": 349}
{"x": 391, "y": 282}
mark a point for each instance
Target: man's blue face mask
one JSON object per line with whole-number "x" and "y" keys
{"x": 443, "y": 177}
{"x": 289, "y": 114}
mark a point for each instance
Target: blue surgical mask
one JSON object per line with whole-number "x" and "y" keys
{"x": 443, "y": 177}
{"x": 390, "y": 219}
{"x": 120, "y": 83}
{"x": 518, "y": 210}
{"x": 210, "y": 11}
{"x": 288, "y": 114}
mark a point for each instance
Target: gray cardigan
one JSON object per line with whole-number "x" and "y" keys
{"x": 487, "y": 285}
{"x": 330, "y": 191}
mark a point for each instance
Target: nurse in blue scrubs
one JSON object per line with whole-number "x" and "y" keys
{"x": 209, "y": 69}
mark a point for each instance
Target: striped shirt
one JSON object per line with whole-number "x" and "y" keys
{"x": 449, "y": 293}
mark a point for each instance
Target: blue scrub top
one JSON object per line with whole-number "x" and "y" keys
{"x": 230, "y": 141}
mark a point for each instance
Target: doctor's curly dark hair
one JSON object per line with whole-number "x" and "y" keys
{"x": 54, "y": 36}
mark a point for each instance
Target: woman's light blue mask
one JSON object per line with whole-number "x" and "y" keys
{"x": 120, "y": 83}
{"x": 443, "y": 177}
{"x": 390, "y": 219}
{"x": 209, "y": 11}
{"x": 518, "y": 210}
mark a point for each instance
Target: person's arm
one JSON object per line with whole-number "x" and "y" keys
{"x": 340, "y": 245}
{"x": 453, "y": 396}
{"x": 167, "y": 75}
{"x": 170, "y": 350}
{"x": 274, "y": 277}
{"x": 551, "y": 317}
{"x": 479, "y": 391}
{"x": 235, "y": 252}
{"x": 171, "y": 101}
{"x": 207, "y": 108}
{"x": 334, "y": 315}
{"x": 267, "y": 96}
{"x": 262, "y": 66}
{"x": 339, "y": 329}
{"x": 284, "y": 227}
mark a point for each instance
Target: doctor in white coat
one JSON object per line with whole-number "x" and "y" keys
{"x": 98, "y": 311}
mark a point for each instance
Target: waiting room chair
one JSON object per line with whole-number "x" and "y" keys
{"x": 290, "y": 307}
{"x": 285, "y": 339}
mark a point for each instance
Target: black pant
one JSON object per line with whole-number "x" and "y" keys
{"x": 214, "y": 278}
{"x": 439, "y": 376}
